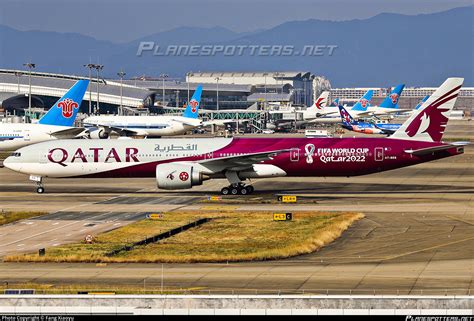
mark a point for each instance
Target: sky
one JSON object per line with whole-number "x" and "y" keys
{"x": 123, "y": 21}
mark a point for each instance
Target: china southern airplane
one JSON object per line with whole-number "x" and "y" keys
{"x": 147, "y": 126}
{"x": 351, "y": 124}
{"x": 388, "y": 106}
{"x": 57, "y": 123}
{"x": 186, "y": 162}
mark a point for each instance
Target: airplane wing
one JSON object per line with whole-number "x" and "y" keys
{"x": 121, "y": 131}
{"x": 68, "y": 133}
{"x": 190, "y": 121}
{"x": 430, "y": 150}
{"x": 240, "y": 162}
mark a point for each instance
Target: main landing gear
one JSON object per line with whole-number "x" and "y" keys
{"x": 237, "y": 189}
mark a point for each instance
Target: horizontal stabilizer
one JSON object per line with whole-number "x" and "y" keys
{"x": 431, "y": 150}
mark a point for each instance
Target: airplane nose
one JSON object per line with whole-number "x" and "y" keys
{"x": 10, "y": 163}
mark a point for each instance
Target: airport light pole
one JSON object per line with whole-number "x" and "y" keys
{"x": 30, "y": 66}
{"x": 90, "y": 66}
{"x": 265, "y": 88}
{"x": 18, "y": 74}
{"x": 98, "y": 68}
{"x": 163, "y": 77}
{"x": 217, "y": 93}
{"x": 121, "y": 74}
{"x": 187, "y": 81}
{"x": 177, "y": 98}
{"x": 275, "y": 75}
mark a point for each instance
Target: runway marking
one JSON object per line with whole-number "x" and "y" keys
{"x": 460, "y": 220}
{"x": 431, "y": 248}
{"x": 218, "y": 208}
{"x": 51, "y": 230}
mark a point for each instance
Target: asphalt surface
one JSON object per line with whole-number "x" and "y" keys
{"x": 416, "y": 238}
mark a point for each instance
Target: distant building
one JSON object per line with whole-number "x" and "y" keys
{"x": 295, "y": 87}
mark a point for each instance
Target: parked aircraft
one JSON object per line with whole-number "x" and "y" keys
{"x": 100, "y": 127}
{"x": 187, "y": 162}
{"x": 57, "y": 123}
{"x": 351, "y": 124}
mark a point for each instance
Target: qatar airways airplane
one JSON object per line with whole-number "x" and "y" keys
{"x": 186, "y": 162}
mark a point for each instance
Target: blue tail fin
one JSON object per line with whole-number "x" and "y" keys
{"x": 391, "y": 101}
{"x": 64, "y": 111}
{"x": 422, "y": 101}
{"x": 336, "y": 102}
{"x": 193, "y": 105}
{"x": 364, "y": 102}
{"x": 346, "y": 118}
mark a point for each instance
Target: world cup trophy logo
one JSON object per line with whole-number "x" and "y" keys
{"x": 68, "y": 105}
{"x": 394, "y": 98}
{"x": 193, "y": 103}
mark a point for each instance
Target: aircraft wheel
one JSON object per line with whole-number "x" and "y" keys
{"x": 225, "y": 191}
{"x": 234, "y": 191}
{"x": 40, "y": 190}
{"x": 249, "y": 189}
{"x": 244, "y": 191}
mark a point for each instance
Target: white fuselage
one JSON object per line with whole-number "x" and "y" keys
{"x": 150, "y": 126}
{"x": 69, "y": 158}
{"x": 16, "y": 135}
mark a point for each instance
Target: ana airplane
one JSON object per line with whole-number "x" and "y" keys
{"x": 350, "y": 123}
{"x": 184, "y": 163}
{"x": 57, "y": 123}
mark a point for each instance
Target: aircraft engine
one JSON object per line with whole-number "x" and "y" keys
{"x": 99, "y": 133}
{"x": 178, "y": 176}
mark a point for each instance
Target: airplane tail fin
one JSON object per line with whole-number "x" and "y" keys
{"x": 321, "y": 102}
{"x": 422, "y": 101}
{"x": 391, "y": 101}
{"x": 64, "y": 111}
{"x": 346, "y": 118}
{"x": 364, "y": 102}
{"x": 192, "y": 109}
{"x": 429, "y": 122}
{"x": 336, "y": 102}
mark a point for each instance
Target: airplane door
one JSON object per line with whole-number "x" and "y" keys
{"x": 295, "y": 154}
{"x": 378, "y": 154}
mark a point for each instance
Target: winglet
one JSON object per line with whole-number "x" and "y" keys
{"x": 64, "y": 111}
{"x": 192, "y": 109}
{"x": 429, "y": 122}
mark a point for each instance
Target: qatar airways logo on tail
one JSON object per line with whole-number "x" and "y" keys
{"x": 68, "y": 105}
{"x": 194, "y": 104}
{"x": 92, "y": 155}
{"x": 394, "y": 98}
{"x": 433, "y": 119}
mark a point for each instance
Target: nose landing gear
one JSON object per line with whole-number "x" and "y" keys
{"x": 39, "y": 183}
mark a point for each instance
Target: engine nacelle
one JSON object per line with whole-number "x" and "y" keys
{"x": 178, "y": 176}
{"x": 99, "y": 133}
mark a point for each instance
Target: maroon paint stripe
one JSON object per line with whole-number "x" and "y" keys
{"x": 446, "y": 94}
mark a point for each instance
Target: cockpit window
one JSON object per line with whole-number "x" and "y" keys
{"x": 16, "y": 154}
